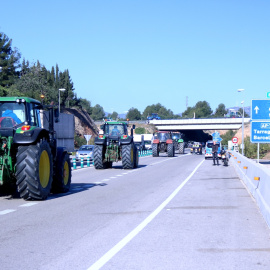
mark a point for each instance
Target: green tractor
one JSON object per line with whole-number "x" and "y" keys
{"x": 114, "y": 144}
{"x": 178, "y": 142}
{"x": 29, "y": 156}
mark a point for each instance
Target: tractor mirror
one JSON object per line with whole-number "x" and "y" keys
{"x": 56, "y": 115}
{"x": 133, "y": 126}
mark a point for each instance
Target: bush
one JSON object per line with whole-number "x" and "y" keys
{"x": 251, "y": 149}
{"x": 140, "y": 130}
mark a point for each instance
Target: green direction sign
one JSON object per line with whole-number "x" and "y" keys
{"x": 268, "y": 94}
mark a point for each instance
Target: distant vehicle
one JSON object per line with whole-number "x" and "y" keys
{"x": 85, "y": 151}
{"x": 108, "y": 119}
{"x": 233, "y": 114}
{"x": 153, "y": 116}
{"x": 196, "y": 148}
{"x": 208, "y": 149}
{"x": 148, "y": 145}
{"x": 140, "y": 146}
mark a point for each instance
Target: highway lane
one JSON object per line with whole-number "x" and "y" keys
{"x": 210, "y": 222}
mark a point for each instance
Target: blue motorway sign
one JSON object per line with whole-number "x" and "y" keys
{"x": 260, "y": 132}
{"x": 216, "y": 137}
{"x": 260, "y": 110}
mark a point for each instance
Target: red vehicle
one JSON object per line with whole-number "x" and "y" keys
{"x": 163, "y": 143}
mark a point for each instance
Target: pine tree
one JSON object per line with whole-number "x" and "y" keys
{"x": 9, "y": 62}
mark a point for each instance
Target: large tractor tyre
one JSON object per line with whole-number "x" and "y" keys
{"x": 128, "y": 159}
{"x": 136, "y": 157}
{"x": 155, "y": 152}
{"x": 181, "y": 148}
{"x": 170, "y": 149}
{"x": 62, "y": 178}
{"x": 98, "y": 157}
{"x": 34, "y": 171}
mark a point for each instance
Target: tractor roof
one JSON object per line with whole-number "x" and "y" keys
{"x": 116, "y": 123}
{"x": 10, "y": 99}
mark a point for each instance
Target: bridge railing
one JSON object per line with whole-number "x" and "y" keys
{"x": 257, "y": 179}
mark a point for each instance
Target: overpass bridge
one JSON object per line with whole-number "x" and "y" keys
{"x": 199, "y": 124}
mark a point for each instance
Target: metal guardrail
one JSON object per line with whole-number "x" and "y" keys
{"x": 143, "y": 153}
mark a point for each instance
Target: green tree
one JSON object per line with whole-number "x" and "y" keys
{"x": 227, "y": 137}
{"x": 9, "y": 62}
{"x": 241, "y": 112}
{"x": 133, "y": 114}
{"x": 188, "y": 113}
{"x": 250, "y": 149}
{"x": 221, "y": 110}
{"x": 114, "y": 115}
{"x": 160, "y": 110}
{"x": 97, "y": 112}
{"x": 140, "y": 130}
{"x": 202, "y": 109}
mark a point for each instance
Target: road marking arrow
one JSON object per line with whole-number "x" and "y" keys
{"x": 256, "y": 109}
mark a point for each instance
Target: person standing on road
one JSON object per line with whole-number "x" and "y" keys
{"x": 215, "y": 152}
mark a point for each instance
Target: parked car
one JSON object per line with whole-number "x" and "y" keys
{"x": 85, "y": 151}
{"x": 148, "y": 145}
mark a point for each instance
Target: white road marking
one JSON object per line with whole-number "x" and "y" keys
{"x": 28, "y": 204}
{"x": 106, "y": 180}
{"x": 114, "y": 250}
{"x": 7, "y": 211}
{"x": 97, "y": 183}
{"x": 119, "y": 175}
{"x": 112, "y": 177}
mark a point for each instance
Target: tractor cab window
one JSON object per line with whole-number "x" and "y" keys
{"x": 34, "y": 115}
{"x": 114, "y": 130}
{"x": 163, "y": 136}
{"x": 11, "y": 114}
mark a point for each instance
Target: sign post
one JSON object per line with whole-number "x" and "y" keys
{"x": 87, "y": 137}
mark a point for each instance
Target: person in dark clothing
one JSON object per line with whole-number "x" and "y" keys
{"x": 215, "y": 152}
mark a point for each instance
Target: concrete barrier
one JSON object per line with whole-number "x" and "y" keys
{"x": 257, "y": 179}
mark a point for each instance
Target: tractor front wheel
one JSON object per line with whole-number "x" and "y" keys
{"x": 155, "y": 152}
{"x": 34, "y": 171}
{"x": 181, "y": 148}
{"x": 128, "y": 157}
{"x": 170, "y": 148}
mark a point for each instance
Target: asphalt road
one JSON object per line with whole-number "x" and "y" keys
{"x": 170, "y": 213}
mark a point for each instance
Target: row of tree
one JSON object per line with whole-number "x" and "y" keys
{"x": 34, "y": 80}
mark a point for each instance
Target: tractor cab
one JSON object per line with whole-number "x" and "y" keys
{"x": 14, "y": 112}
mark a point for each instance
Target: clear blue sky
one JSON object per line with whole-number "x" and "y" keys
{"x": 123, "y": 54}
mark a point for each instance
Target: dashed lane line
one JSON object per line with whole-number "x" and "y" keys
{"x": 7, "y": 211}
{"x": 28, "y": 204}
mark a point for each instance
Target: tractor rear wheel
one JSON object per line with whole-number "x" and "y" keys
{"x": 62, "y": 178}
{"x": 155, "y": 152}
{"x": 170, "y": 148}
{"x": 128, "y": 157}
{"x": 34, "y": 171}
{"x": 98, "y": 157}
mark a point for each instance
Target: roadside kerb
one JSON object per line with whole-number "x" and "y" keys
{"x": 248, "y": 170}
